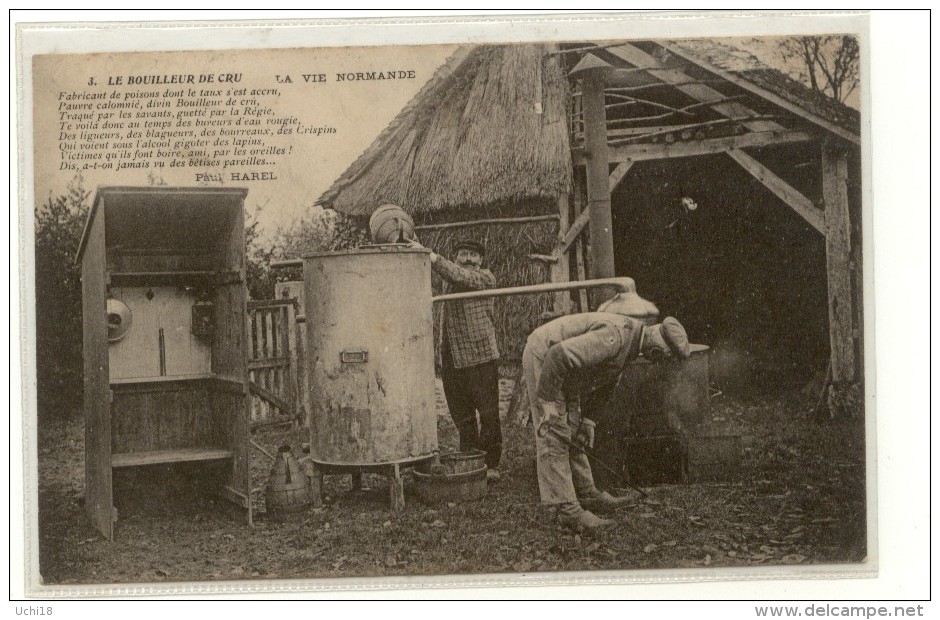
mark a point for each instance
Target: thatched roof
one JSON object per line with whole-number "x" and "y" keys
{"x": 731, "y": 62}
{"x": 489, "y": 128}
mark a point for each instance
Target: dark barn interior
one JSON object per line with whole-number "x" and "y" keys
{"x": 742, "y": 271}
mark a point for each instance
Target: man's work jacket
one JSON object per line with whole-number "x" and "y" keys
{"x": 584, "y": 352}
{"x": 467, "y": 331}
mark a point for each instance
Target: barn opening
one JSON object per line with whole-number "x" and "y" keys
{"x": 745, "y": 274}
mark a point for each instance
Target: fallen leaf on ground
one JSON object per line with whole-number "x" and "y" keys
{"x": 649, "y": 548}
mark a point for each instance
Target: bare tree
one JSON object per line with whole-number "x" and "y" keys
{"x": 829, "y": 63}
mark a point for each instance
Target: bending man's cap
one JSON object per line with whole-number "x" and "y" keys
{"x": 675, "y": 337}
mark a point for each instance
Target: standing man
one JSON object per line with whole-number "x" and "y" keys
{"x": 567, "y": 355}
{"x": 469, "y": 367}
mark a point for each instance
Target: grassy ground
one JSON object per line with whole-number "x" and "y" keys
{"x": 800, "y": 500}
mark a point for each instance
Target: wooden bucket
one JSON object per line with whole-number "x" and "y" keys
{"x": 288, "y": 488}
{"x": 459, "y": 477}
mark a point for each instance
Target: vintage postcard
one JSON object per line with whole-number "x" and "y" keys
{"x": 489, "y": 302}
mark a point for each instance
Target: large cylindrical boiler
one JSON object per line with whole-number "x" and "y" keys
{"x": 371, "y": 356}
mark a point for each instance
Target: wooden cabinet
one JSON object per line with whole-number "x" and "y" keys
{"x": 173, "y": 389}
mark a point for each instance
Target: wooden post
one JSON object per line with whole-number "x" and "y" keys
{"x": 315, "y": 476}
{"x": 396, "y": 489}
{"x": 295, "y": 290}
{"x": 290, "y": 337}
{"x": 580, "y": 272}
{"x": 598, "y": 181}
{"x": 843, "y": 394}
{"x": 559, "y": 270}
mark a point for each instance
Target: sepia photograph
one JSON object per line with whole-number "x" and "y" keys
{"x": 566, "y": 307}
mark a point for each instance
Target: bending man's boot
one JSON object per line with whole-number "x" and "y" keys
{"x": 605, "y": 502}
{"x": 573, "y": 516}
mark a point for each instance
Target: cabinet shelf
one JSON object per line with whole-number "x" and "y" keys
{"x": 158, "y": 457}
{"x": 175, "y": 277}
{"x": 163, "y": 379}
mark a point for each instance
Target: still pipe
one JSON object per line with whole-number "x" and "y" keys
{"x": 621, "y": 285}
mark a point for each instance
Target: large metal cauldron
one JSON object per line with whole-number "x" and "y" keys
{"x": 371, "y": 356}
{"x": 656, "y": 409}
{"x": 669, "y": 397}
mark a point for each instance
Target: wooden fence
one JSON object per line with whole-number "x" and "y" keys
{"x": 274, "y": 362}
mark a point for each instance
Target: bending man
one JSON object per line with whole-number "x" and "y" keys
{"x": 565, "y": 356}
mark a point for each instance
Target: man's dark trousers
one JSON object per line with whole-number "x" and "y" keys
{"x": 471, "y": 390}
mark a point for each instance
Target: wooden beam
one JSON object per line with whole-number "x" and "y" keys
{"x": 838, "y": 256}
{"x": 580, "y": 271}
{"x": 700, "y": 92}
{"x": 582, "y": 274}
{"x": 289, "y": 329}
{"x": 497, "y": 220}
{"x": 576, "y": 227}
{"x": 598, "y": 181}
{"x": 619, "y": 172}
{"x": 781, "y": 189}
{"x": 271, "y": 397}
{"x": 694, "y": 148}
{"x": 766, "y": 94}
{"x": 628, "y": 132}
{"x": 235, "y": 496}
{"x": 558, "y": 269}
{"x": 183, "y": 455}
